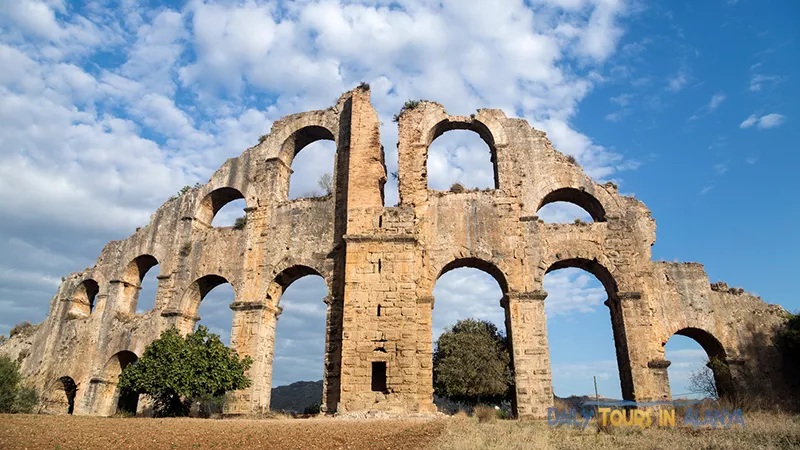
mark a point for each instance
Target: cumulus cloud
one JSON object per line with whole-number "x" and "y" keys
{"x": 107, "y": 111}
{"x": 766, "y": 121}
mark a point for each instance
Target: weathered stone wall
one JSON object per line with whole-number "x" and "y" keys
{"x": 381, "y": 264}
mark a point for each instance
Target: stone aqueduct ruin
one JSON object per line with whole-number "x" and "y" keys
{"x": 380, "y": 265}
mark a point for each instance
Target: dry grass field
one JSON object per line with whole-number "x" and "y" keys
{"x": 763, "y": 431}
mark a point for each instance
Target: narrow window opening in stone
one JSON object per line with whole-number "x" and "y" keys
{"x": 215, "y": 312}
{"x": 379, "y": 310}
{"x": 312, "y": 168}
{"x": 570, "y": 205}
{"x": 563, "y": 212}
{"x": 147, "y": 294}
{"x": 380, "y": 221}
{"x": 227, "y": 215}
{"x": 460, "y": 157}
{"x": 580, "y": 335}
{"x": 70, "y": 389}
{"x": 123, "y": 400}
{"x": 379, "y": 265}
{"x": 83, "y": 299}
{"x": 379, "y": 376}
{"x": 299, "y": 359}
{"x": 697, "y": 366}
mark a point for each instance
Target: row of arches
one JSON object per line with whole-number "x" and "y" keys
{"x": 467, "y": 287}
{"x": 300, "y": 334}
{"x": 459, "y": 153}
{"x": 582, "y": 330}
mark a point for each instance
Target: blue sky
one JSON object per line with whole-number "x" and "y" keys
{"x": 108, "y": 107}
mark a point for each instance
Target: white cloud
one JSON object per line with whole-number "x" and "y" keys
{"x": 766, "y": 121}
{"x": 571, "y": 291}
{"x": 105, "y": 112}
{"x": 712, "y": 105}
{"x": 771, "y": 120}
{"x": 622, "y": 99}
{"x": 757, "y": 81}
{"x": 678, "y": 81}
{"x": 749, "y": 122}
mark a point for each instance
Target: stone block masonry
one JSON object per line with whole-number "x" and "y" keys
{"x": 380, "y": 265}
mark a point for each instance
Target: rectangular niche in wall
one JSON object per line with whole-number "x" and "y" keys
{"x": 379, "y": 376}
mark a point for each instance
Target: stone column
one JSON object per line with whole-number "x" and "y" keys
{"x": 253, "y": 334}
{"x": 531, "y": 356}
{"x": 425, "y": 353}
{"x": 658, "y": 369}
{"x": 183, "y": 322}
{"x": 642, "y": 377}
{"x": 331, "y": 383}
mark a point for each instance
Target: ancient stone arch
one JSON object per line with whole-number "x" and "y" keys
{"x": 371, "y": 255}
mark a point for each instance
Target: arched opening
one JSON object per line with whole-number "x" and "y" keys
{"x": 221, "y": 207}
{"x": 468, "y": 288}
{"x": 584, "y": 344}
{"x": 462, "y": 157}
{"x": 299, "y": 354}
{"x": 83, "y": 299}
{"x": 311, "y": 153}
{"x": 141, "y": 285}
{"x": 570, "y": 205}
{"x": 209, "y": 300}
{"x": 698, "y": 365}
{"x": 70, "y": 389}
{"x": 122, "y": 401}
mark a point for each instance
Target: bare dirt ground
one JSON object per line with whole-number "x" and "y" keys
{"x": 75, "y": 432}
{"x": 762, "y": 431}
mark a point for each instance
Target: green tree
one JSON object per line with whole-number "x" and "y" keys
{"x": 15, "y": 397}
{"x": 174, "y": 370}
{"x": 471, "y": 363}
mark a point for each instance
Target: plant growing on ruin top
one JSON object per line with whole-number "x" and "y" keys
{"x": 471, "y": 363}
{"x": 457, "y": 188}
{"x": 174, "y": 370}
{"x": 364, "y": 86}
{"x": 407, "y": 106}
{"x": 23, "y": 328}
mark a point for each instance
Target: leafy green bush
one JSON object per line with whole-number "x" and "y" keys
{"x": 15, "y": 397}
{"x": 175, "y": 370}
{"x": 240, "y": 223}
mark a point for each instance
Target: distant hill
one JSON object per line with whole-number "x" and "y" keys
{"x": 296, "y": 397}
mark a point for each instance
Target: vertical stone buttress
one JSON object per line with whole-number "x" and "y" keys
{"x": 527, "y": 323}
{"x": 380, "y": 307}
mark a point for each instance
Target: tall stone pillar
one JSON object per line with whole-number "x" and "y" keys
{"x": 643, "y": 377}
{"x": 531, "y": 355}
{"x": 253, "y": 335}
{"x": 425, "y": 353}
{"x": 331, "y": 383}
